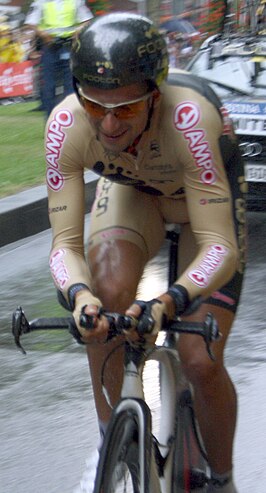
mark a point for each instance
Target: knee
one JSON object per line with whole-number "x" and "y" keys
{"x": 116, "y": 268}
{"x": 201, "y": 371}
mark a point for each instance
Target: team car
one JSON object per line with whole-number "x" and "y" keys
{"x": 235, "y": 66}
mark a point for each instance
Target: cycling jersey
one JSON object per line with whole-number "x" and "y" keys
{"x": 186, "y": 168}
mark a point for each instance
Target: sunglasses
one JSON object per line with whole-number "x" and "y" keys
{"x": 122, "y": 111}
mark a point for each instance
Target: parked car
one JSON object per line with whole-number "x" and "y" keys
{"x": 236, "y": 69}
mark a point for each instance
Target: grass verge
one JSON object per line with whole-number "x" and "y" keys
{"x": 22, "y": 163}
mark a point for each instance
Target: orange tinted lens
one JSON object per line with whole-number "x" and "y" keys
{"x": 129, "y": 110}
{"x": 122, "y": 112}
{"x": 94, "y": 109}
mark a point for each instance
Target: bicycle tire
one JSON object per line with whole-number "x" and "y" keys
{"x": 190, "y": 470}
{"x": 119, "y": 465}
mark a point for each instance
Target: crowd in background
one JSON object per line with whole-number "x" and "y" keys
{"x": 13, "y": 44}
{"x": 45, "y": 39}
{"x": 19, "y": 44}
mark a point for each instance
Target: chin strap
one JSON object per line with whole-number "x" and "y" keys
{"x": 131, "y": 149}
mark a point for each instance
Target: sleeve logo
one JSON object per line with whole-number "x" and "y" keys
{"x": 211, "y": 262}
{"x": 186, "y": 118}
{"x": 54, "y": 144}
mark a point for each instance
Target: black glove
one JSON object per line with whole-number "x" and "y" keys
{"x": 181, "y": 300}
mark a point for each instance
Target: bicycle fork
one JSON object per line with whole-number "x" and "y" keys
{"x": 148, "y": 472}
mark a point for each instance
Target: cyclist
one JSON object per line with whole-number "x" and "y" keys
{"x": 166, "y": 153}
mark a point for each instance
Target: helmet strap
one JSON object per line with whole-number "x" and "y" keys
{"x": 131, "y": 149}
{"x": 155, "y": 97}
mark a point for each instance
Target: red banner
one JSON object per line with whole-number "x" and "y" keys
{"x": 16, "y": 79}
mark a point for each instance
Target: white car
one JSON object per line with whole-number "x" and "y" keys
{"x": 236, "y": 69}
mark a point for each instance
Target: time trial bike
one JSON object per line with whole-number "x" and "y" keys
{"x": 134, "y": 457}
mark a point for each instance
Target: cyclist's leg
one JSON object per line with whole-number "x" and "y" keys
{"x": 116, "y": 289}
{"x": 126, "y": 230}
{"x": 215, "y": 397}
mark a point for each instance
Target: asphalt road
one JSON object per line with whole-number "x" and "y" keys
{"x": 47, "y": 416}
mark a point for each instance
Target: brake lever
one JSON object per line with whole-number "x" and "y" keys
{"x": 118, "y": 323}
{"x": 20, "y": 325}
{"x": 211, "y": 333}
{"x": 87, "y": 322}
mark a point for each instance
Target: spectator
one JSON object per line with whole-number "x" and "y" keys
{"x": 11, "y": 50}
{"x": 4, "y": 40}
{"x": 34, "y": 55}
{"x": 54, "y": 23}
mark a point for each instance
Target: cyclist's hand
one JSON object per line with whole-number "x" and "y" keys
{"x": 150, "y": 315}
{"x": 86, "y": 303}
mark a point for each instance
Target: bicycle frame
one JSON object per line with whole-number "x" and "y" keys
{"x": 172, "y": 382}
{"x": 160, "y": 457}
{"x": 133, "y": 389}
{"x": 156, "y": 456}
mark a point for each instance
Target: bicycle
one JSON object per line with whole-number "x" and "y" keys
{"x": 132, "y": 459}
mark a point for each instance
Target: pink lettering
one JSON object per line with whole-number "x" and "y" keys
{"x": 227, "y": 129}
{"x": 55, "y": 179}
{"x": 186, "y": 117}
{"x": 201, "y": 153}
{"x": 198, "y": 277}
{"x": 110, "y": 233}
{"x": 194, "y": 137}
{"x": 55, "y": 128}
{"x": 52, "y": 160}
{"x": 55, "y": 139}
{"x": 210, "y": 263}
{"x": 208, "y": 177}
{"x": 58, "y": 268}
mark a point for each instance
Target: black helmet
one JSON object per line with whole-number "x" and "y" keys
{"x": 117, "y": 50}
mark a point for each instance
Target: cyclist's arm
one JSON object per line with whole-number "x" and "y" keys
{"x": 210, "y": 205}
{"x": 66, "y": 202}
{"x": 211, "y": 213}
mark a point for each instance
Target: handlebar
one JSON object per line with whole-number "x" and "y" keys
{"x": 208, "y": 329}
{"x": 20, "y": 325}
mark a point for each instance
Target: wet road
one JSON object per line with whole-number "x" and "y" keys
{"x": 47, "y": 416}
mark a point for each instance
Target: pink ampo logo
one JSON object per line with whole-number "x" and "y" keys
{"x": 58, "y": 268}
{"x": 186, "y": 117}
{"x": 210, "y": 263}
{"x": 54, "y": 143}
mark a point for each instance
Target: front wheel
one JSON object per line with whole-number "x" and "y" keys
{"x": 124, "y": 464}
{"x": 190, "y": 467}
